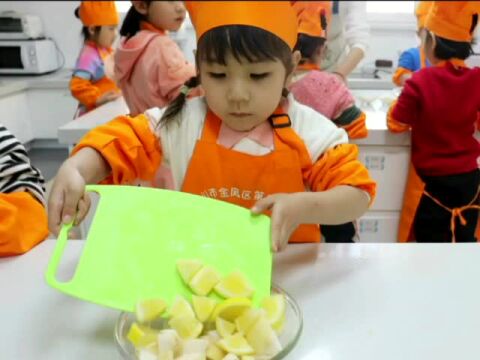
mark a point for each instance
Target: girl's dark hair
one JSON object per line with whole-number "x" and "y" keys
{"x": 307, "y": 45}
{"x": 86, "y": 35}
{"x": 448, "y": 49}
{"x": 251, "y": 43}
{"x": 131, "y": 23}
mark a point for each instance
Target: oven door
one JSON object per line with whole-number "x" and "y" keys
{"x": 11, "y": 58}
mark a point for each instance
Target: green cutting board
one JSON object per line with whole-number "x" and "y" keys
{"x": 138, "y": 234}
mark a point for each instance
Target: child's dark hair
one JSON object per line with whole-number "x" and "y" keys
{"x": 86, "y": 35}
{"x": 307, "y": 45}
{"x": 131, "y": 23}
{"x": 447, "y": 49}
{"x": 251, "y": 43}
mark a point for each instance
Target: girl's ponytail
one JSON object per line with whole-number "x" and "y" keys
{"x": 131, "y": 23}
{"x": 76, "y": 12}
{"x": 177, "y": 104}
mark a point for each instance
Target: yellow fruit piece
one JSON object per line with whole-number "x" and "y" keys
{"x": 231, "y": 357}
{"x": 234, "y": 285}
{"x": 224, "y": 327}
{"x": 263, "y": 339}
{"x": 275, "y": 307}
{"x": 247, "y": 357}
{"x": 203, "y": 307}
{"x": 187, "y": 326}
{"x": 204, "y": 281}
{"x": 232, "y": 308}
{"x": 188, "y": 268}
{"x": 214, "y": 352}
{"x": 245, "y": 321}
{"x": 140, "y": 337}
{"x": 236, "y": 344}
{"x": 181, "y": 307}
{"x": 148, "y": 310}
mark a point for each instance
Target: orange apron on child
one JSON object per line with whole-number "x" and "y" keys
{"x": 241, "y": 179}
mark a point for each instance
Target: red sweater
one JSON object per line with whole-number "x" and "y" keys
{"x": 441, "y": 104}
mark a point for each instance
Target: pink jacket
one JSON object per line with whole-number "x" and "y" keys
{"x": 150, "y": 69}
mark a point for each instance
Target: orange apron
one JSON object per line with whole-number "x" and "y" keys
{"x": 413, "y": 192}
{"x": 243, "y": 179}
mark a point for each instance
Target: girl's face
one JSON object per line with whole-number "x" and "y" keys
{"x": 166, "y": 15}
{"x": 106, "y": 36}
{"x": 243, "y": 94}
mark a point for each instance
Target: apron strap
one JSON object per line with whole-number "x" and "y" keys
{"x": 456, "y": 211}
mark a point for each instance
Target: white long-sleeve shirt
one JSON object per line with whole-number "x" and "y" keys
{"x": 348, "y": 29}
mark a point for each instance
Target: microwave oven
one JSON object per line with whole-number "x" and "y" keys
{"x": 16, "y": 26}
{"x": 28, "y": 56}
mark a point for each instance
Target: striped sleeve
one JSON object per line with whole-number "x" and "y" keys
{"x": 16, "y": 172}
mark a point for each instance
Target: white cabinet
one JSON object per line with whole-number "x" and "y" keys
{"x": 50, "y": 108}
{"x": 388, "y": 166}
{"x": 15, "y": 116}
{"x": 378, "y": 227}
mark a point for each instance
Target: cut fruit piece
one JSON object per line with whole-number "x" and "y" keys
{"x": 224, "y": 327}
{"x": 181, "y": 307}
{"x": 236, "y": 344}
{"x": 231, "y": 357}
{"x": 245, "y": 321}
{"x": 247, "y": 357}
{"x": 166, "y": 355}
{"x": 194, "y": 346}
{"x": 213, "y": 336}
{"x": 191, "y": 357}
{"x": 263, "y": 338}
{"x": 214, "y": 352}
{"x": 204, "y": 281}
{"x": 203, "y": 307}
{"x": 188, "y": 268}
{"x": 146, "y": 354}
{"x": 187, "y": 326}
{"x": 232, "y": 308}
{"x": 234, "y": 285}
{"x": 167, "y": 341}
{"x": 140, "y": 337}
{"x": 275, "y": 307}
{"x": 148, "y": 310}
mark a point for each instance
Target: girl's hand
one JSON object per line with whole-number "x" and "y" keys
{"x": 107, "y": 97}
{"x": 67, "y": 201}
{"x": 285, "y": 216}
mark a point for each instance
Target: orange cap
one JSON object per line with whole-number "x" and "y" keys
{"x": 421, "y": 12}
{"x": 309, "y": 16}
{"x": 98, "y": 13}
{"x": 276, "y": 17}
{"x": 452, "y": 20}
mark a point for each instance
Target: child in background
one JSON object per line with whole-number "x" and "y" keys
{"x": 413, "y": 59}
{"x": 245, "y": 142}
{"x": 320, "y": 90}
{"x": 90, "y": 84}
{"x": 323, "y": 91}
{"x": 440, "y": 104}
{"x": 23, "y": 218}
{"x": 149, "y": 65}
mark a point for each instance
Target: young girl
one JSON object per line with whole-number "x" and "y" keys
{"x": 23, "y": 218}
{"x": 242, "y": 143}
{"x": 413, "y": 59}
{"x": 323, "y": 91}
{"x": 91, "y": 85}
{"x": 440, "y": 104}
{"x": 149, "y": 66}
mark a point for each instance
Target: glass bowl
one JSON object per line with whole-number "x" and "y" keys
{"x": 288, "y": 337}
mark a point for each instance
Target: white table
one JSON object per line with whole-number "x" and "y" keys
{"x": 360, "y": 302}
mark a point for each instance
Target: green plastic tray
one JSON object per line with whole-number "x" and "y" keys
{"x": 138, "y": 234}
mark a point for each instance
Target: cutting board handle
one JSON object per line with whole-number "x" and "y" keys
{"x": 50, "y": 274}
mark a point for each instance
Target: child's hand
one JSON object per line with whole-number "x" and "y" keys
{"x": 108, "y": 96}
{"x": 67, "y": 201}
{"x": 285, "y": 214}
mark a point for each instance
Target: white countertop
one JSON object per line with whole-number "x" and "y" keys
{"x": 10, "y": 84}
{"x": 360, "y": 302}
